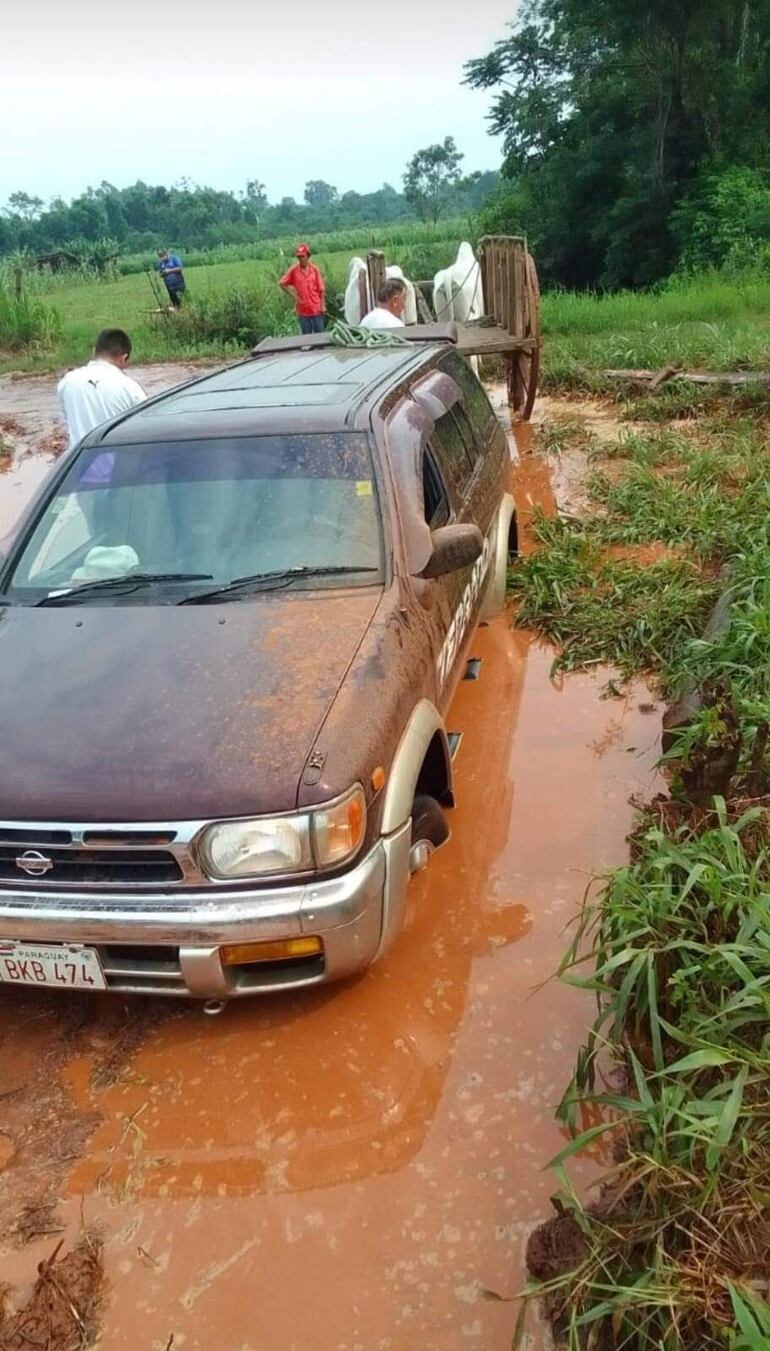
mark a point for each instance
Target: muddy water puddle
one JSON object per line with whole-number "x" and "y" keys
{"x": 356, "y": 1166}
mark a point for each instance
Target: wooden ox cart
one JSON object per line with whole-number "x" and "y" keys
{"x": 510, "y": 323}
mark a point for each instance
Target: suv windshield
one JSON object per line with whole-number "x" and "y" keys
{"x": 186, "y": 513}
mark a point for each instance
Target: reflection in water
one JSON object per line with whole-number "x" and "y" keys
{"x": 22, "y": 477}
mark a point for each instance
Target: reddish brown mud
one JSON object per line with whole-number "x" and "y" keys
{"x": 644, "y": 555}
{"x": 351, "y": 1169}
{"x": 62, "y": 1311}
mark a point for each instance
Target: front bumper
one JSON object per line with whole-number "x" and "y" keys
{"x": 168, "y": 943}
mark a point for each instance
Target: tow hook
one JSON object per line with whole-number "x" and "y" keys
{"x": 214, "y": 1006}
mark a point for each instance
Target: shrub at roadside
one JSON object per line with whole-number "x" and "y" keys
{"x": 26, "y": 321}
{"x": 724, "y": 218}
{"x": 234, "y": 320}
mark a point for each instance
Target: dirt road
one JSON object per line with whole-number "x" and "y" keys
{"x": 351, "y": 1169}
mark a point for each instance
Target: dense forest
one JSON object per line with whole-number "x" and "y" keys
{"x": 184, "y": 215}
{"x": 636, "y": 135}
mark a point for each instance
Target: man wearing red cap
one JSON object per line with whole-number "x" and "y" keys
{"x": 304, "y": 282}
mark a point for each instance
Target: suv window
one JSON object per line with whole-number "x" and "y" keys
{"x": 470, "y": 438}
{"x": 223, "y": 507}
{"x": 477, "y": 405}
{"x": 453, "y": 452}
{"x": 434, "y": 492}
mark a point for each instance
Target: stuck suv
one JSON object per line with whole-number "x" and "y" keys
{"x": 231, "y": 624}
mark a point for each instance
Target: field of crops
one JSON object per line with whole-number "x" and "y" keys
{"x": 393, "y": 239}
{"x": 232, "y": 299}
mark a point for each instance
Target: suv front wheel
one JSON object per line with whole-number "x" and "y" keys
{"x": 430, "y": 829}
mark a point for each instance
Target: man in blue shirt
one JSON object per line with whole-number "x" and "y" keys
{"x": 170, "y": 268}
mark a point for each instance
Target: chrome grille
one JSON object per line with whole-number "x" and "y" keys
{"x": 141, "y": 968}
{"x": 58, "y": 856}
{"x": 34, "y": 838}
{"x": 91, "y": 867}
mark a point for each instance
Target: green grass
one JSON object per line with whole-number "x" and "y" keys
{"x": 672, "y": 1255}
{"x": 711, "y": 504}
{"x": 599, "y": 610}
{"x": 28, "y": 322}
{"x": 127, "y": 303}
{"x": 680, "y": 949}
{"x": 713, "y": 321}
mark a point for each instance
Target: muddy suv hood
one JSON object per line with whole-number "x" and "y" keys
{"x": 168, "y": 713}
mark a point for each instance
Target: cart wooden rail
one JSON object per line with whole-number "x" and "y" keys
{"x": 511, "y": 323}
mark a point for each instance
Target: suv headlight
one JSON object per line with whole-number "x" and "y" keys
{"x": 302, "y": 842}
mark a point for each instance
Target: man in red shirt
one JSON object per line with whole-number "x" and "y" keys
{"x": 304, "y": 282}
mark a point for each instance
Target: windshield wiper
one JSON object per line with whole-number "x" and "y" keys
{"x": 120, "y": 585}
{"x": 281, "y": 576}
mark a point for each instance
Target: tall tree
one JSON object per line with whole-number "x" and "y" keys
{"x": 610, "y": 112}
{"x": 318, "y": 193}
{"x": 22, "y": 204}
{"x": 430, "y": 177}
{"x": 256, "y": 194}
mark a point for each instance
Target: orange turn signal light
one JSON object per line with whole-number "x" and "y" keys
{"x": 281, "y": 950}
{"x": 378, "y": 778}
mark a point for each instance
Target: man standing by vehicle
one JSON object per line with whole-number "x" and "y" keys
{"x": 304, "y": 282}
{"x": 94, "y": 393}
{"x": 169, "y": 265}
{"x": 391, "y": 301}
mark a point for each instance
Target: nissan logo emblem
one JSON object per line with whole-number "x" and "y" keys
{"x": 33, "y": 863}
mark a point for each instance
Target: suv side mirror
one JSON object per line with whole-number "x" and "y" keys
{"x": 454, "y": 547}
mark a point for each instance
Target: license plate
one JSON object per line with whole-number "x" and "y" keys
{"x": 65, "y": 966}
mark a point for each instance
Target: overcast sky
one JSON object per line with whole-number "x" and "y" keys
{"x": 219, "y": 91}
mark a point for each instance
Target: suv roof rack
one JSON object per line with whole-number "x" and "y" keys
{"x": 301, "y": 342}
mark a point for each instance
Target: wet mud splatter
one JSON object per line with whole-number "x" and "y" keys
{"x": 43, "y": 1131}
{"x": 62, "y": 1310}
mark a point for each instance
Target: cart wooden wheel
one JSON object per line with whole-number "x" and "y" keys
{"x": 524, "y": 366}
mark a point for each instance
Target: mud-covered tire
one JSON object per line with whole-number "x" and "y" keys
{"x": 429, "y": 821}
{"x": 513, "y": 540}
{"x": 496, "y": 587}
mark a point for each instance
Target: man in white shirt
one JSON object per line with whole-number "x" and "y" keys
{"x": 391, "y": 300}
{"x": 94, "y": 393}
